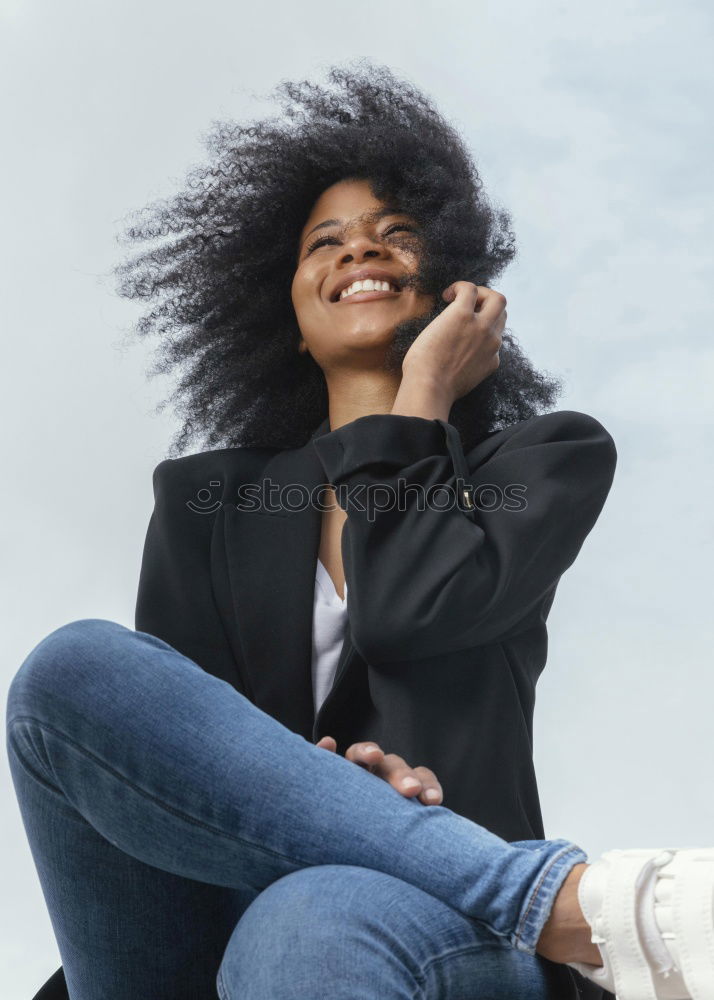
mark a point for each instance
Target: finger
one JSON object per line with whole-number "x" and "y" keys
{"x": 466, "y": 294}
{"x": 397, "y": 772}
{"x": 365, "y": 754}
{"x": 327, "y": 743}
{"x": 432, "y": 793}
{"x": 493, "y": 306}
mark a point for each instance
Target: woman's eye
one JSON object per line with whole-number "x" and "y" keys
{"x": 333, "y": 239}
{"x": 318, "y": 243}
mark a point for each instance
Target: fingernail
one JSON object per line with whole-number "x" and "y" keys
{"x": 369, "y": 747}
{"x": 431, "y": 793}
{"x": 411, "y": 783}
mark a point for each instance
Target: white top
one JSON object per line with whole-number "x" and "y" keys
{"x": 329, "y": 622}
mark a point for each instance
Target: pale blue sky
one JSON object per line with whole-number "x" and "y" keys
{"x": 590, "y": 124}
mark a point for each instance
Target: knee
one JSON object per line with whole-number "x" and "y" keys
{"x": 306, "y": 930}
{"x": 60, "y": 663}
{"x": 329, "y": 899}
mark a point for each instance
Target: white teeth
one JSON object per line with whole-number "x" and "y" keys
{"x": 367, "y": 285}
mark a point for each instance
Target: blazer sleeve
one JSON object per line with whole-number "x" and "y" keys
{"x": 175, "y": 600}
{"x": 426, "y": 577}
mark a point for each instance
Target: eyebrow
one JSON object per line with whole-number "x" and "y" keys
{"x": 369, "y": 216}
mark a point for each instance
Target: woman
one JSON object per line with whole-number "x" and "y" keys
{"x": 359, "y": 574}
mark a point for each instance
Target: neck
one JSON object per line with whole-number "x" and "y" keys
{"x": 408, "y": 395}
{"x": 357, "y": 394}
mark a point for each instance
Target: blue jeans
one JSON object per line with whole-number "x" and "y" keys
{"x": 189, "y": 845}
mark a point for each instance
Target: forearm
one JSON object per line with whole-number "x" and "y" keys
{"x": 426, "y": 579}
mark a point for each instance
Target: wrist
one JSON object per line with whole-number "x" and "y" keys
{"x": 422, "y": 395}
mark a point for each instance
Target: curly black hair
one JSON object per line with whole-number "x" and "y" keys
{"x": 221, "y": 281}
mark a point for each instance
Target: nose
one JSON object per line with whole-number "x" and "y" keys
{"x": 360, "y": 246}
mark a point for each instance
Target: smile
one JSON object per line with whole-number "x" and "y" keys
{"x": 365, "y": 289}
{"x": 367, "y": 296}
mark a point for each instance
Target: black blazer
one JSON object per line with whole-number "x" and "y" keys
{"x": 447, "y": 607}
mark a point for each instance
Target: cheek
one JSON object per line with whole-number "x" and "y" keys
{"x": 305, "y": 289}
{"x": 299, "y": 302}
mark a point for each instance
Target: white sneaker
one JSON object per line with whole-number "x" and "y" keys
{"x": 650, "y": 911}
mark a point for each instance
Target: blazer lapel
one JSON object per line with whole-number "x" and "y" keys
{"x": 271, "y": 558}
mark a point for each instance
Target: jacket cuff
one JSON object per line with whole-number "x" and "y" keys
{"x": 390, "y": 439}
{"x": 461, "y": 468}
{"x": 395, "y": 441}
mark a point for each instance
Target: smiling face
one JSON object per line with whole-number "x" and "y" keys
{"x": 350, "y": 235}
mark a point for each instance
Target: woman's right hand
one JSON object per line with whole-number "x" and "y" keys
{"x": 459, "y": 348}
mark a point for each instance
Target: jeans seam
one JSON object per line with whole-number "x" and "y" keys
{"x": 546, "y": 871}
{"x": 468, "y": 949}
{"x": 162, "y": 805}
{"x": 26, "y": 767}
{"x": 221, "y": 988}
{"x": 462, "y": 950}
